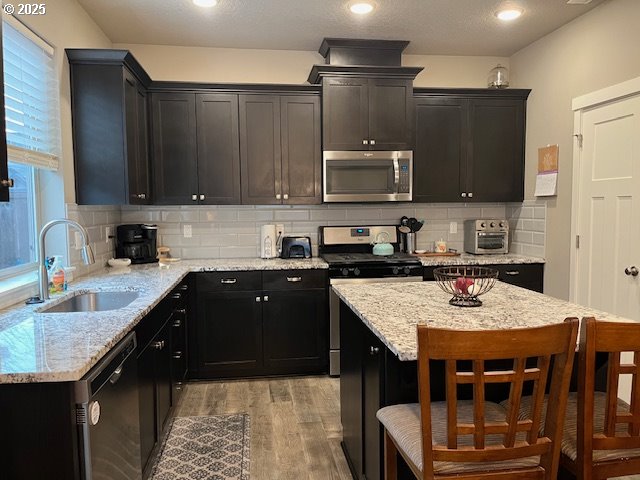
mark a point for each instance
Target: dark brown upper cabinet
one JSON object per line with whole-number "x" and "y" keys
{"x": 109, "y": 108}
{"x": 367, "y": 113}
{"x": 469, "y": 145}
{"x": 195, "y": 148}
{"x": 280, "y": 149}
{"x": 5, "y": 182}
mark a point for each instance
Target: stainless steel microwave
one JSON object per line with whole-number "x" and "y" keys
{"x": 367, "y": 176}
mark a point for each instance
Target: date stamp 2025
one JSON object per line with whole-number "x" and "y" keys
{"x": 25, "y": 8}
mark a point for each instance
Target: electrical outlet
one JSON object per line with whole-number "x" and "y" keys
{"x": 187, "y": 231}
{"x": 453, "y": 227}
{"x": 279, "y": 229}
{"x": 108, "y": 233}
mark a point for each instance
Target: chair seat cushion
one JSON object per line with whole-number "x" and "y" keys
{"x": 403, "y": 424}
{"x": 569, "y": 442}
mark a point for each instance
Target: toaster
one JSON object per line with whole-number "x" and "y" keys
{"x": 296, "y": 247}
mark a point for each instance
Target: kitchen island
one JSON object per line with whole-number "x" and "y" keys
{"x": 379, "y": 349}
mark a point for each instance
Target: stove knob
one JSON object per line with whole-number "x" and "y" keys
{"x": 492, "y": 224}
{"x": 501, "y": 224}
{"x": 356, "y": 271}
{"x": 396, "y": 270}
{"x": 407, "y": 270}
{"x": 483, "y": 224}
{"x": 344, "y": 272}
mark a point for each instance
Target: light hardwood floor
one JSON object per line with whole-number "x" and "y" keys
{"x": 295, "y": 423}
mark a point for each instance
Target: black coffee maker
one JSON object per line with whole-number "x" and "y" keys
{"x": 137, "y": 242}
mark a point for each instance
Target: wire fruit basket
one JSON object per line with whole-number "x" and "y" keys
{"x": 465, "y": 283}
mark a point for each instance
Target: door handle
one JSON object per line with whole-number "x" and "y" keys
{"x": 633, "y": 271}
{"x": 396, "y": 175}
{"x": 228, "y": 280}
{"x": 294, "y": 279}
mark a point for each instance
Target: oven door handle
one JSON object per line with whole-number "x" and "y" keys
{"x": 396, "y": 175}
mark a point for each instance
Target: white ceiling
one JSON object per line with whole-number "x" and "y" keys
{"x": 437, "y": 27}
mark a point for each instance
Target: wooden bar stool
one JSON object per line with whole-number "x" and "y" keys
{"x": 602, "y": 433}
{"x": 476, "y": 439}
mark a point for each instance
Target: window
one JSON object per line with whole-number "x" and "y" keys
{"x": 32, "y": 127}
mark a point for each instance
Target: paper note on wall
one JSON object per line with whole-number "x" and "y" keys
{"x": 547, "y": 178}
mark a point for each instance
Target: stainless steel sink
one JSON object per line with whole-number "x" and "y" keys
{"x": 93, "y": 302}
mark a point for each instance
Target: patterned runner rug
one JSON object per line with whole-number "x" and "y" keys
{"x": 206, "y": 448}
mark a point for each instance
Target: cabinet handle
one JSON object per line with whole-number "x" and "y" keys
{"x": 184, "y": 287}
{"x": 142, "y": 196}
{"x": 178, "y": 385}
{"x": 181, "y": 311}
{"x": 7, "y": 183}
{"x": 294, "y": 279}
{"x": 286, "y": 196}
{"x": 201, "y": 196}
{"x": 463, "y": 194}
{"x": 194, "y": 197}
{"x": 266, "y": 298}
{"x": 365, "y": 142}
{"x": 176, "y": 296}
{"x": 278, "y": 196}
{"x": 158, "y": 345}
{"x": 470, "y": 194}
{"x": 372, "y": 142}
{"x": 177, "y": 355}
{"x": 512, "y": 273}
{"x": 258, "y": 299}
{"x": 374, "y": 350}
{"x": 177, "y": 323}
{"x": 228, "y": 280}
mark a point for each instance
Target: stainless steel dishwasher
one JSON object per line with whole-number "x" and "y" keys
{"x": 108, "y": 416}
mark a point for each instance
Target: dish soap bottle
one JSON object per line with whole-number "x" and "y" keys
{"x": 57, "y": 280}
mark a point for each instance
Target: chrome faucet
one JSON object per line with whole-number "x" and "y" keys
{"x": 87, "y": 256}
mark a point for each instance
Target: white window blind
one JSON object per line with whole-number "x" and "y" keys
{"x": 30, "y": 97}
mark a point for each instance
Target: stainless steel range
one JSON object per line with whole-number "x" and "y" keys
{"x": 348, "y": 251}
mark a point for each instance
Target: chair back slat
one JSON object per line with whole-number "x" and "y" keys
{"x": 487, "y": 438}
{"x": 611, "y": 408}
{"x": 634, "y": 428}
{"x": 478, "y": 403}
{"x": 515, "y": 395}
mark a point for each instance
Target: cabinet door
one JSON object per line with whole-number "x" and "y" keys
{"x": 147, "y": 402}
{"x": 229, "y": 333}
{"x": 295, "y": 331}
{"x": 391, "y": 114}
{"x": 162, "y": 347}
{"x": 301, "y": 148}
{"x": 496, "y": 160}
{"x": 218, "y": 149}
{"x": 174, "y": 148}
{"x": 135, "y": 118}
{"x": 4, "y": 170}
{"x": 440, "y": 157}
{"x": 345, "y": 113}
{"x": 260, "y": 154}
{"x": 372, "y": 377}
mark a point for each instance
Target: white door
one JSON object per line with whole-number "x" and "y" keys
{"x": 609, "y": 209}
{"x": 609, "y": 212}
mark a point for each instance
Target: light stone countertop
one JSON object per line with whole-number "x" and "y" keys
{"x": 392, "y": 311}
{"x": 469, "y": 259}
{"x": 60, "y": 347}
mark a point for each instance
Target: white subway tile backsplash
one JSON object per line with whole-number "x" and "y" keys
{"x": 528, "y": 227}
{"x": 291, "y": 215}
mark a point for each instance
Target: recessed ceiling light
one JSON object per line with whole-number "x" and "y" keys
{"x": 205, "y": 3}
{"x": 361, "y": 8}
{"x": 509, "y": 14}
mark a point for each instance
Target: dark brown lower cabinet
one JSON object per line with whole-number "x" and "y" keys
{"x": 243, "y": 329}
{"x": 525, "y": 275}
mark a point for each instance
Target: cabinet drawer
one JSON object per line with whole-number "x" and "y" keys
{"x": 229, "y": 281}
{"x": 294, "y": 279}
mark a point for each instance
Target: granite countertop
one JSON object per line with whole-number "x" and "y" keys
{"x": 59, "y": 347}
{"x": 392, "y": 311}
{"x": 469, "y": 259}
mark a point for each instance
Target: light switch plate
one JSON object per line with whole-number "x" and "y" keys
{"x": 108, "y": 233}
{"x": 453, "y": 227}
{"x": 187, "y": 231}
